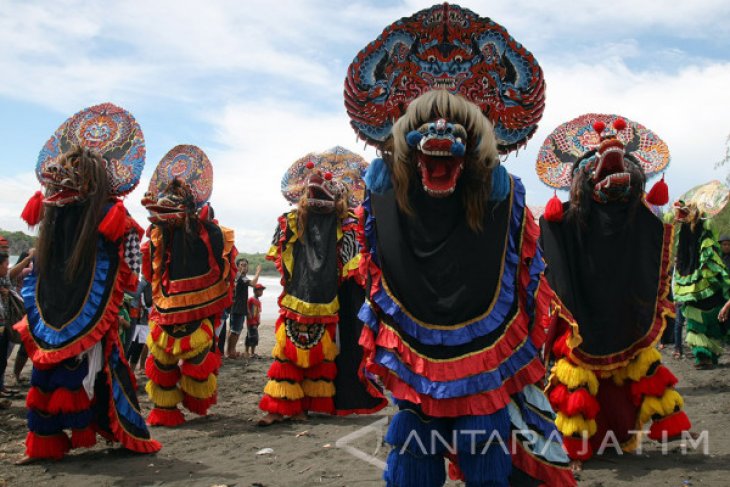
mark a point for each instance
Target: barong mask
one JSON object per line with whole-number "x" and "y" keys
{"x": 602, "y": 158}
{"x": 609, "y": 173}
{"x": 180, "y": 187}
{"x": 67, "y": 182}
{"x": 325, "y": 181}
{"x": 440, "y": 147}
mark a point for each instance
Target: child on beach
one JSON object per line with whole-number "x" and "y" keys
{"x": 254, "y": 318}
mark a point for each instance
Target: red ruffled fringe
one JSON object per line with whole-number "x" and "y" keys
{"x": 305, "y": 319}
{"x": 165, "y": 417}
{"x": 60, "y": 401}
{"x": 577, "y": 448}
{"x": 285, "y": 371}
{"x": 653, "y": 385}
{"x": 52, "y": 446}
{"x": 324, "y": 405}
{"x": 580, "y": 401}
{"x": 672, "y": 425}
{"x": 210, "y": 365}
{"x": 163, "y": 378}
{"x": 280, "y": 406}
{"x": 197, "y": 405}
{"x": 476, "y": 404}
{"x": 538, "y": 469}
{"x": 83, "y": 438}
{"x": 325, "y": 370}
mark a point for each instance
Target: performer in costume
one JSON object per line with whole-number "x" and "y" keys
{"x": 316, "y": 356}
{"x": 608, "y": 259}
{"x": 701, "y": 283}
{"x": 189, "y": 260}
{"x": 456, "y": 297}
{"x": 87, "y": 256}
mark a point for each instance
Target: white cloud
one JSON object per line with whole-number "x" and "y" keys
{"x": 263, "y": 80}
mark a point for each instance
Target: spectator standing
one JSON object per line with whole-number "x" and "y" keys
{"x": 253, "y": 321}
{"x": 725, "y": 248}
{"x": 240, "y": 305}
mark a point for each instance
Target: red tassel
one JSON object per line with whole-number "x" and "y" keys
{"x": 163, "y": 378}
{"x": 285, "y": 371}
{"x": 653, "y": 385}
{"x": 581, "y": 402}
{"x": 83, "y": 438}
{"x": 199, "y": 406}
{"x": 33, "y": 209}
{"x": 114, "y": 223}
{"x": 577, "y": 448}
{"x": 554, "y": 209}
{"x": 599, "y": 126}
{"x": 40, "y": 446}
{"x": 659, "y": 193}
{"x": 558, "y": 395}
{"x": 280, "y": 406}
{"x": 165, "y": 417}
{"x": 673, "y": 425}
{"x": 209, "y": 365}
{"x": 204, "y": 213}
{"x": 455, "y": 472}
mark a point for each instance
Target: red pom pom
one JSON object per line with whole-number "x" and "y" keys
{"x": 310, "y": 165}
{"x": 599, "y": 126}
{"x": 619, "y": 124}
{"x": 33, "y": 209}
{"x": 659, "y": 193}
{"x": 114, "y": 223}
{"x": 328, "y": 176}
{"x": 554, "y": 209}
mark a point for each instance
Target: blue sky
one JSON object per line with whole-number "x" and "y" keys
{"x": 259, "y": 84}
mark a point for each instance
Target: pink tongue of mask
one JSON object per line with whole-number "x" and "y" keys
{"x": 440, "y": 170}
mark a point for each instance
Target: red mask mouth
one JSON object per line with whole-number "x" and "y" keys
{"x": 612, "y": 180}
{"x": 62, "y": 197}
{"x": 439, "y": 174}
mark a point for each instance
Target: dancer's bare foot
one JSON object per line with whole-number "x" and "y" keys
{"x": 300, "y": 417}
{"x": 270, "y": 418}
{"x": 26, "y": 460}
{"x": 576, "y": 466}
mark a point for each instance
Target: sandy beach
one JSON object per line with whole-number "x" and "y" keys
{"x": 223, "y": 448}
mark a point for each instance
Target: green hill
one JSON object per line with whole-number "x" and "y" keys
{"x": 19, "y": 241}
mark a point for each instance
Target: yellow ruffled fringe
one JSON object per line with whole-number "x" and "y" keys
{"x": 284, "y": 390}
{"x": 574, "y": 376}
{"x": 575, "y": 425}
{"x": 164, "y": 398}
{"x": 670, "y": 402}
{"x": 200, "y": 389}
{"x": 637, "y": 368}
{"x": 318, "y": 388}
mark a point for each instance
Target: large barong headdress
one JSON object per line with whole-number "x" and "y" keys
{"x": 181, "y": 184}
{"x": 572, "y": 140}
{"x": 107, "y": 129}
{"x": 336, "y": 170}
{"x": 449, "y": 48}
